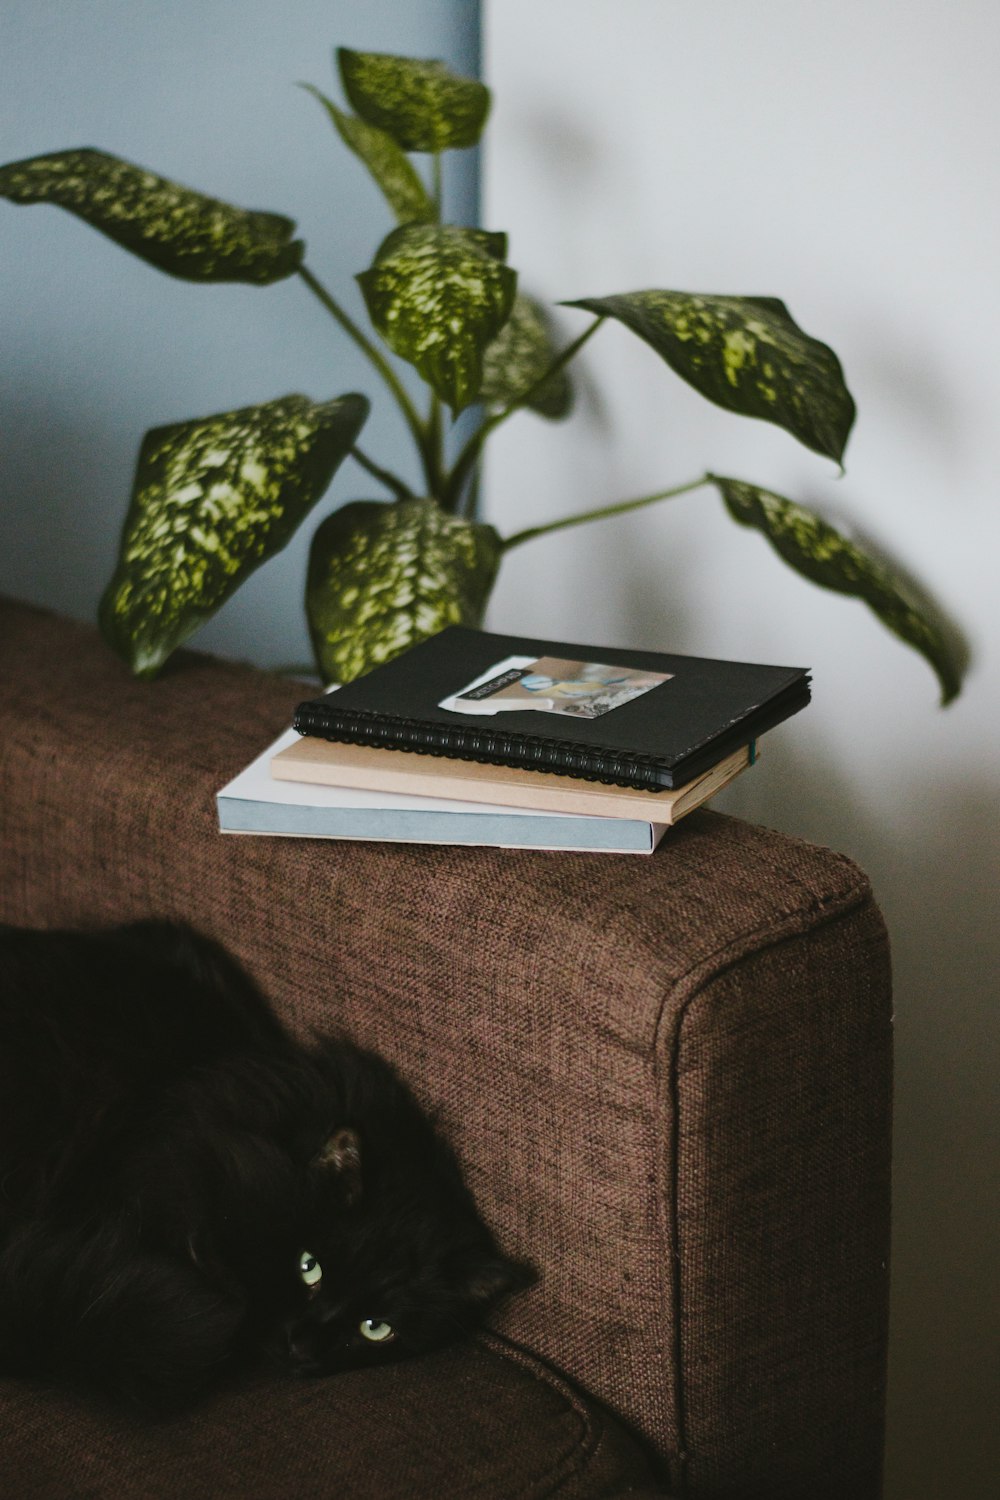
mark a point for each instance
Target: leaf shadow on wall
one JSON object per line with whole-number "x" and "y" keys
{"x": 904, "y": 383}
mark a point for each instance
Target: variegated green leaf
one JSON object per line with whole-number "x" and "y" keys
{"x": 173, "y": 228}
{"x": 517, "y": 359}
{"x": 438, "y": 294}
{"x": 383, "y": 577}
{"x": 821, "y": 554}
{"x": 213, "y": 499}
{"x": 746, "y": 354}
{"x": 386, "y": 161}
{"x": 420, "y": 103}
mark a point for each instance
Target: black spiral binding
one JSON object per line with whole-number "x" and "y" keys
{"x": 487, "y": 746}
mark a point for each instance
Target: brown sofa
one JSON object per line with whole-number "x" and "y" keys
{"x": 668, "y": 1080}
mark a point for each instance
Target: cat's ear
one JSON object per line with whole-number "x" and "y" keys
{"x": 497, "y": 1277}
{"x": 341, "y": 1157}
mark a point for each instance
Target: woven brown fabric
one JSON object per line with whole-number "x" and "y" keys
{"x": 462, "y": 1423}
{"x": 781, "y": 1224}
{"x": 668, "y": 1078}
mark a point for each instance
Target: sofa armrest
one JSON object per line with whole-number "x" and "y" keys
{"x": 668, "y": 1079}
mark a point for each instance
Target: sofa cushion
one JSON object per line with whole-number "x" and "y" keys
{"x": 475, "y": 1420}
{"x": 667, "y": 1079}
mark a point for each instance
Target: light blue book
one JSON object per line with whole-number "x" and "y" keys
{"x": 255, "y": 802}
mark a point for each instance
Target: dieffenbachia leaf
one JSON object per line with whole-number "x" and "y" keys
{"x": 746, "y": 354}
{"x": 386, "y": 161}
{"x": 384, "y": 576}
{"x": 174, "y": 228}
{"x": 518, "y": 358}
{"x": 438, "y": 294}
{"x": 420, "y": 103}
{"x": 820, "y": 553}
{"x": 213, "y": 499}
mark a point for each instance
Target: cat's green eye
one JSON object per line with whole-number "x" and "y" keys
{"x": 377, "y": 1331}
{"x": 310, "y": 1269}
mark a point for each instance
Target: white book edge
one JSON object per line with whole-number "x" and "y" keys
{"x": 253, "y": 802}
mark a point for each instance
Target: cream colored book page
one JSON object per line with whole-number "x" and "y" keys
{"x": 322, "y": 761}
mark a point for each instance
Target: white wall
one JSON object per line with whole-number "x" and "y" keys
{"x": 96, "y": 347}
{"x": 842, "y": 157}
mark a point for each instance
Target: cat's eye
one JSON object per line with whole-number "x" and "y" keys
{"x": 310, "y": 1269}
{"x": 377, "y": 1331}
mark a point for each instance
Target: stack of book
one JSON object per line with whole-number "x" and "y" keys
{"x": 476, "y": 738}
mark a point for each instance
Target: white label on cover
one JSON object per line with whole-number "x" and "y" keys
{"x": 552, "y": 685}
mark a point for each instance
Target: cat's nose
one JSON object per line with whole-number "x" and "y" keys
{"x": 301, "y": 1353}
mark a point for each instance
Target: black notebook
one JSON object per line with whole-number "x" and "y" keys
{"x": 629, "y": 718}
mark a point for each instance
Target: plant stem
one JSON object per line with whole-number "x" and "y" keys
{"x": 471, "y": 507}
{"x": 400, "y": 490}
{"x": 381, "y": 364}
{"x": 438, "y": 191}
{"x": 434, "y": 454}
{"x": 606, "y": 510}
{"x": 470, "y": 453}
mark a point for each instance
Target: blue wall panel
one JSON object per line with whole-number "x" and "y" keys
{"x": 97, "y": 347}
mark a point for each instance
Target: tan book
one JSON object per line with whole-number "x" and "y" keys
{"x": 324, "y": 762}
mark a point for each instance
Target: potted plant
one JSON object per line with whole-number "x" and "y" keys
{"x": 216, "y": 496}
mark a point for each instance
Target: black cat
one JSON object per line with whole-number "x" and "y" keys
{"x": 185, "y": 1188}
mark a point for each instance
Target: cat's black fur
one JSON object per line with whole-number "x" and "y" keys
{"x": 168, "y": 1153}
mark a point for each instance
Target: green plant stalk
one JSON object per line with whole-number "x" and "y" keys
{"x": 401, "y": 490}
{"x": 388, "y": 374}
{"x": 437, "y": 189}
{"x": 466, "y": 460}
{"x": 434, "y": 467}
{"x": 470, "y": 507}
{"x": 606, "y": 510}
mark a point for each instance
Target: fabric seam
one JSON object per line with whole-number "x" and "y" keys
{"x": 696, "y": 979}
